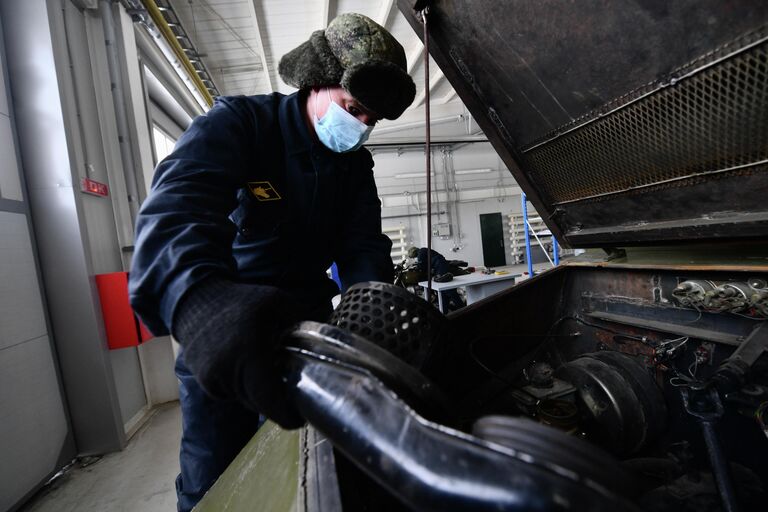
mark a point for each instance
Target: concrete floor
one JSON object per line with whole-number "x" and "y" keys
{"x": 139, "y": 478}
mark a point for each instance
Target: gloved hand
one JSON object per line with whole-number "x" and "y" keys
{"x": 230, "y": 333}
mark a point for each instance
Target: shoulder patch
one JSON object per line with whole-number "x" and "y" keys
{"x": 263, "y": 191}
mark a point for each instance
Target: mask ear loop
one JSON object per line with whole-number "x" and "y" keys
{"x": 330, "y": 100}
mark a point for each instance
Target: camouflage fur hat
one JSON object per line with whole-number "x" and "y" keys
{"x": 359, "y": 54}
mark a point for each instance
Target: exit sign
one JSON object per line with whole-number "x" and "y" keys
{"x": 95, "y": 188}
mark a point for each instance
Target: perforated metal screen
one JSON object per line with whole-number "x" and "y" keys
{"x": 712, "y": 118}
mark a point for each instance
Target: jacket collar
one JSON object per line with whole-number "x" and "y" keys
{"x": 296, "y": 135}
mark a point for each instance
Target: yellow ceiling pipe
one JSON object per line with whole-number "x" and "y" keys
{"x": 157, "y": 17}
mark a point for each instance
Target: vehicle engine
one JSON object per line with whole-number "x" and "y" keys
{"x": 662, "y": 374}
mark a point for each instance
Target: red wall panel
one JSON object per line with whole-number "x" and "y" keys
{"x": 122, "y": 326}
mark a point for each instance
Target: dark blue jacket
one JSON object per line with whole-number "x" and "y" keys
{"x": 438, "y": 262}
{"x": 249, "y": 196}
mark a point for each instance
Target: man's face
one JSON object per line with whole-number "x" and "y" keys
{"x": 344, "y": 100}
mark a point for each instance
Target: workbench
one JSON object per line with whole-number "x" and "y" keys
{"x": 477, "y": 285}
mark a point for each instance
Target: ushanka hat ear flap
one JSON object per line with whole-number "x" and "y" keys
{"x": 311, "y": 64}
{"x": 380, "y": 86}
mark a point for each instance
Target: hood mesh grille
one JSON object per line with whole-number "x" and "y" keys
{"x": 711, "y": 120}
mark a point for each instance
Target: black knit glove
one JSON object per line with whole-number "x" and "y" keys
{"x": 230, "y": 332}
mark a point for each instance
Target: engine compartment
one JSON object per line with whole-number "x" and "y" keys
{"x": 621, "y": 347}
{"x": 664, "y": 369}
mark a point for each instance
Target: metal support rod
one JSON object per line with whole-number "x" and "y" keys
{"x": 527, "y": 235}
{"x": 428, "y": 152}
{"x": 456, "y": 220}
{"x": 440, "y": 142}
{"x": 555, "y": 250}
{"x": 705, "y": 405}
{"x": 121, "y": 116}
{"x": 720, "y": 467}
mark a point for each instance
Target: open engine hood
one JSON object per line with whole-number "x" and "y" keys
{"x": 626, "y": 122}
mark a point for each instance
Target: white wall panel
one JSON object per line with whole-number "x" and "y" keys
{"x": 10, "y": 186}
{"x": 130, "y": 387}
{"x": 21, "y": 308}
{"x": 35, "y": 438}
{"x": 158, "y": 358}
{"x": 33, "y": 428}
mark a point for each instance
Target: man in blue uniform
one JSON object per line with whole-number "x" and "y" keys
{"x": 442, "y": 272}
{"x": 439, "y": 265}
{"x": 259, "y": 197}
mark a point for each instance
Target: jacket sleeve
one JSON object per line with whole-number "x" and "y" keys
{"x": 439, "y": 263}
{"x": 183, "y": 233}
{"x": 363, "y": 251}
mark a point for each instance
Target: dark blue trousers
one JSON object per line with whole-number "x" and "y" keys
{"x": 213, "y": 433}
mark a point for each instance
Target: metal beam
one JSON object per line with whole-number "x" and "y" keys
{"x": 448, "y": 97}
{"x": 328, "y": 12}
{"x": 254, "y": 7}
{"x": 384, "y": 12}
{"x": 433, "y": 81}
{"x": 170, "y": 37}
{"x": 450, "y": 141}
{"x": 415, "y": 56}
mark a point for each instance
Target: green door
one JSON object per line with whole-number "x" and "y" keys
{"x": 492, "y": 233}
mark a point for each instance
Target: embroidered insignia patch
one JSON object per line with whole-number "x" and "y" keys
{"x": 263, "y": 191}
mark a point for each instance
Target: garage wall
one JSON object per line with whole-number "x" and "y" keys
{"x": 34, "y": 433}
{"x": 52, "y": 148}
{"x": 468, "y": 180}
{"x": 458, "y": 200}
{"x": 35, "y": 438}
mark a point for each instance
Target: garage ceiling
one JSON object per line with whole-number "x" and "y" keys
{"x": 240, "y": 42}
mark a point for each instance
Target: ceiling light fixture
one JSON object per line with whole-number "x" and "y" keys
{"x": 473, "y": 171}
{"x": 410, "y": 175}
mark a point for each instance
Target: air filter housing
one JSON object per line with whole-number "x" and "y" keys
{"x": 396, "y": 320}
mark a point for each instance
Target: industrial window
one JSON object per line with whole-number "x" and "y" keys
{"x": 399, "y": 242}
{"x": 163, "y": 142}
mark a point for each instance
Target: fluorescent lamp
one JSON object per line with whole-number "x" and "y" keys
{"x": 410, "y": 175}
{"x": 473, "y": 171}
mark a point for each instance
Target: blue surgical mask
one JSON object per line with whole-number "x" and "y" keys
{"x": 338, "y": 130}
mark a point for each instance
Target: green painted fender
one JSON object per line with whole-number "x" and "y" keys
{"x": 264, "y": 475}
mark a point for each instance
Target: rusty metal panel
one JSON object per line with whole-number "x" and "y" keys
{"x": 627, "y": 122}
